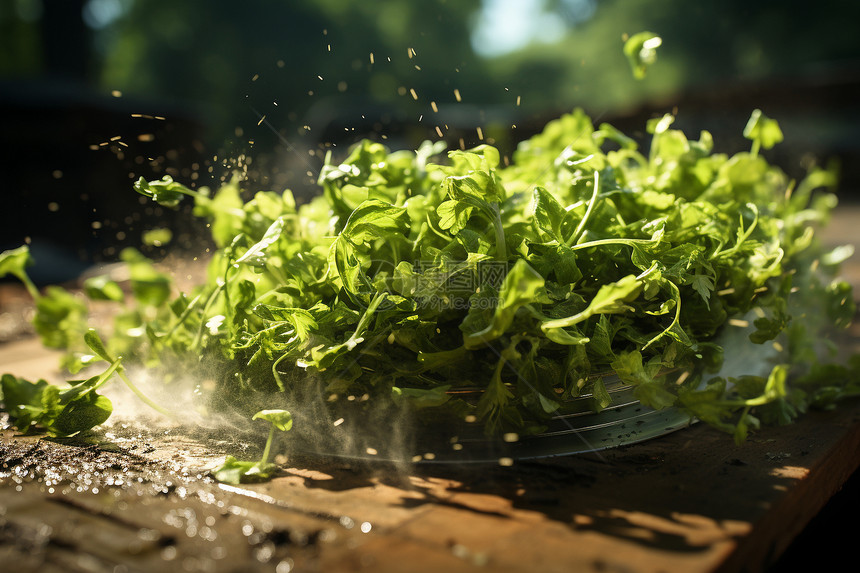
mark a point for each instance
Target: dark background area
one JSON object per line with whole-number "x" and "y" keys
{"x": 828, "y": 541}
{"x": 96, "y": 93}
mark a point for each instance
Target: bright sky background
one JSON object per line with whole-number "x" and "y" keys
{"x": 505, "y": 26}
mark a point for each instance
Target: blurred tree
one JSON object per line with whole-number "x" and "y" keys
{"x": 289, "y": 60}
{"x": 708, "y": 42}
{"x": 20, "y": 39}
{"x": 207, "y": 53}
{"x": 285, "y": 80}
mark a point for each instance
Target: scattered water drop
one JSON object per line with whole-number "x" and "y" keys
{"x": 347, "y": 522}
{"x": 218, "y": 552}
{"x": 264, "y": 552}
{"x": 168, "y": 553}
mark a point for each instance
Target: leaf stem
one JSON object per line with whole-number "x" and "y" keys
{"x": 601, "y": 242}
{"x": 755, "y": 147}
{"x": 277, "y": 374}
{"x": 105, "y": 376}
{"x": 589, "y": 208}
{"x": 144, "y": 398}
{"x": 30, "y": 286}
{"x": 212, "y": 296}
{"x": 181, "y": 318}
{"x": 368, "y": 315}
{"x": 743, "y": 234}
{"x": 267, "y": 450}
{"x": 569, "y": 321}
{"x": 675, "y": 321}
{"x": 501, "y": 245}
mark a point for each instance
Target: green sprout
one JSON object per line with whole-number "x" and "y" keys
{"x": 234, "y": 471}
{"x": 641, "y": 52}
{"x": 763, "y": 131}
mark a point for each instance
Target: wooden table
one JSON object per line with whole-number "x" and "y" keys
{"x": 691, "y": 501}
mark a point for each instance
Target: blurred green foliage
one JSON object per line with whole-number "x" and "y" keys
{"x": 707, "y": 42}
{"x": 291, "y": 59}
{"x": 20, "y": 49}
{"x": 226, "y": 59}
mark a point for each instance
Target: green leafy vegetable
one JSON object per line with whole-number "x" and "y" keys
{"x": 461, "y": 288}
{"x": 15, "y": 262}
{"x": 234, "y": 471}
{"x": 62, "y": 412}
{"x": 641, "y": 52}
{"x": 157, "y": 237}
{"x": 166, "y": 192}
{"x": 103, "y": 288}
{"x": 763, "y": 131}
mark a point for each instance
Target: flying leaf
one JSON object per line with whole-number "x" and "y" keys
{"x": 280, "y": 419}
{"x": 641, "y": 52}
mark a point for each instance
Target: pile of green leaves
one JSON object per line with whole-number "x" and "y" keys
{"x": 413, "y": 277}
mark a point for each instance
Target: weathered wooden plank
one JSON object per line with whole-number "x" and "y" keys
{"x": 691, "y": 501}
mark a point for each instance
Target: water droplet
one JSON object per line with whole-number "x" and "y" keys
{"x": 264, "y": 552}
{"x": 347, "y": 522}
{"x": 218, "y": 552}
{"x": 168, "y": 553}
